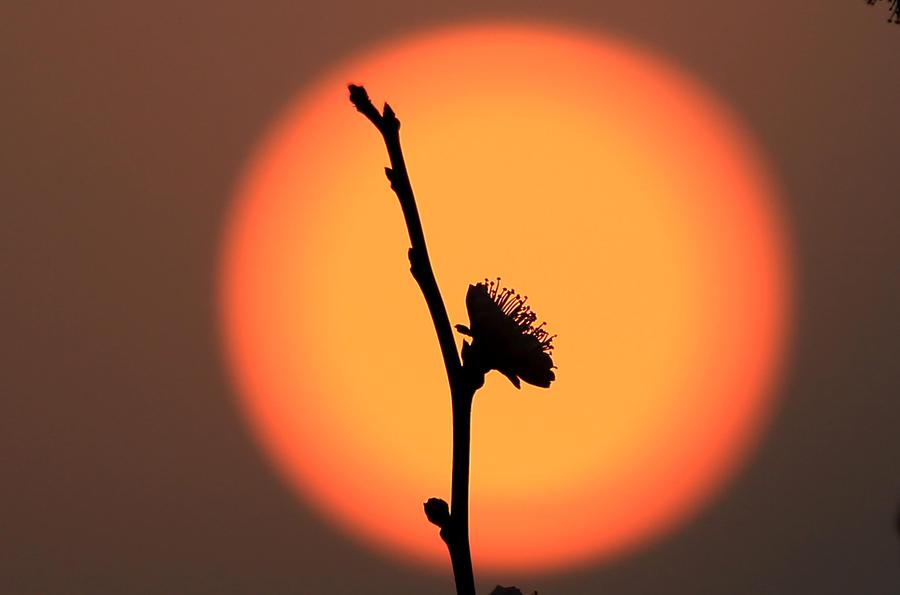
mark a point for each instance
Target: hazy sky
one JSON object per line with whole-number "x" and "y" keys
{"x": 126, "y": 466}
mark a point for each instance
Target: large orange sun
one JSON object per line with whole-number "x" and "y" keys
{"x": 607, "y": 184}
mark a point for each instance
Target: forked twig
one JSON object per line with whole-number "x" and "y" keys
{"x": 453, "y": 521}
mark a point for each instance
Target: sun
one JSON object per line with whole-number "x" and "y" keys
{"x": 625, "y": 199}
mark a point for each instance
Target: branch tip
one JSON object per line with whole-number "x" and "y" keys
{"x": 359, "y": 97}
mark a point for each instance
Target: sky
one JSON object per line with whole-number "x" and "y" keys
{"x": 127, "y": 466}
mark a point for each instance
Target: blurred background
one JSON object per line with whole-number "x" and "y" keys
{"x": 126, "y": 465}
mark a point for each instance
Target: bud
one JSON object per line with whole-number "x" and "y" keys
{"x": 438, "y": 512}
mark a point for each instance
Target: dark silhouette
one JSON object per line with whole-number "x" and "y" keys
{"x": 504, "y": 338}
{"x": 894, "y": 8}
{"x": 498, "y": 590}
{"x": 897, "y": 521}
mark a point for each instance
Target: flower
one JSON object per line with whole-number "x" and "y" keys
{"x": 505, "y": 337}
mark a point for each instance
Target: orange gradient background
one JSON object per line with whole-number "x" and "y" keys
{"x": 605, "y": 183}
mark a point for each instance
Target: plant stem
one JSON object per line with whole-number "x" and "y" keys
{"x": 458, "y": 542}
{"x": 454, "y": 532}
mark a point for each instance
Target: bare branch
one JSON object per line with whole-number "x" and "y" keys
{"x": 453, "y": 524}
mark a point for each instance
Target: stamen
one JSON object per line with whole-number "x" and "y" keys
{"x": 514, "y": 307}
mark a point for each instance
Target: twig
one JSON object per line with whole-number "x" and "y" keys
{"x": 453, "y": 522}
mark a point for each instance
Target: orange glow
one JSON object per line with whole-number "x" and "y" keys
{"x": 623, "y": 198}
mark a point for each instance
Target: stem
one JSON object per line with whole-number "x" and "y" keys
{"x": 455, "y": 530}
{"x": 458, "y": 542}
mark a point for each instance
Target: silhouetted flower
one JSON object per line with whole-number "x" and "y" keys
{"x": 505, "y": 337}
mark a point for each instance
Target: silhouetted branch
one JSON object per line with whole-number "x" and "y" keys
{"x": 453, "y": 524}
{"x": 894, "y": 8}
{"x": 420, "y": 265}
{"x": 500, "y": 590}
{"x": 505, "y": 336}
